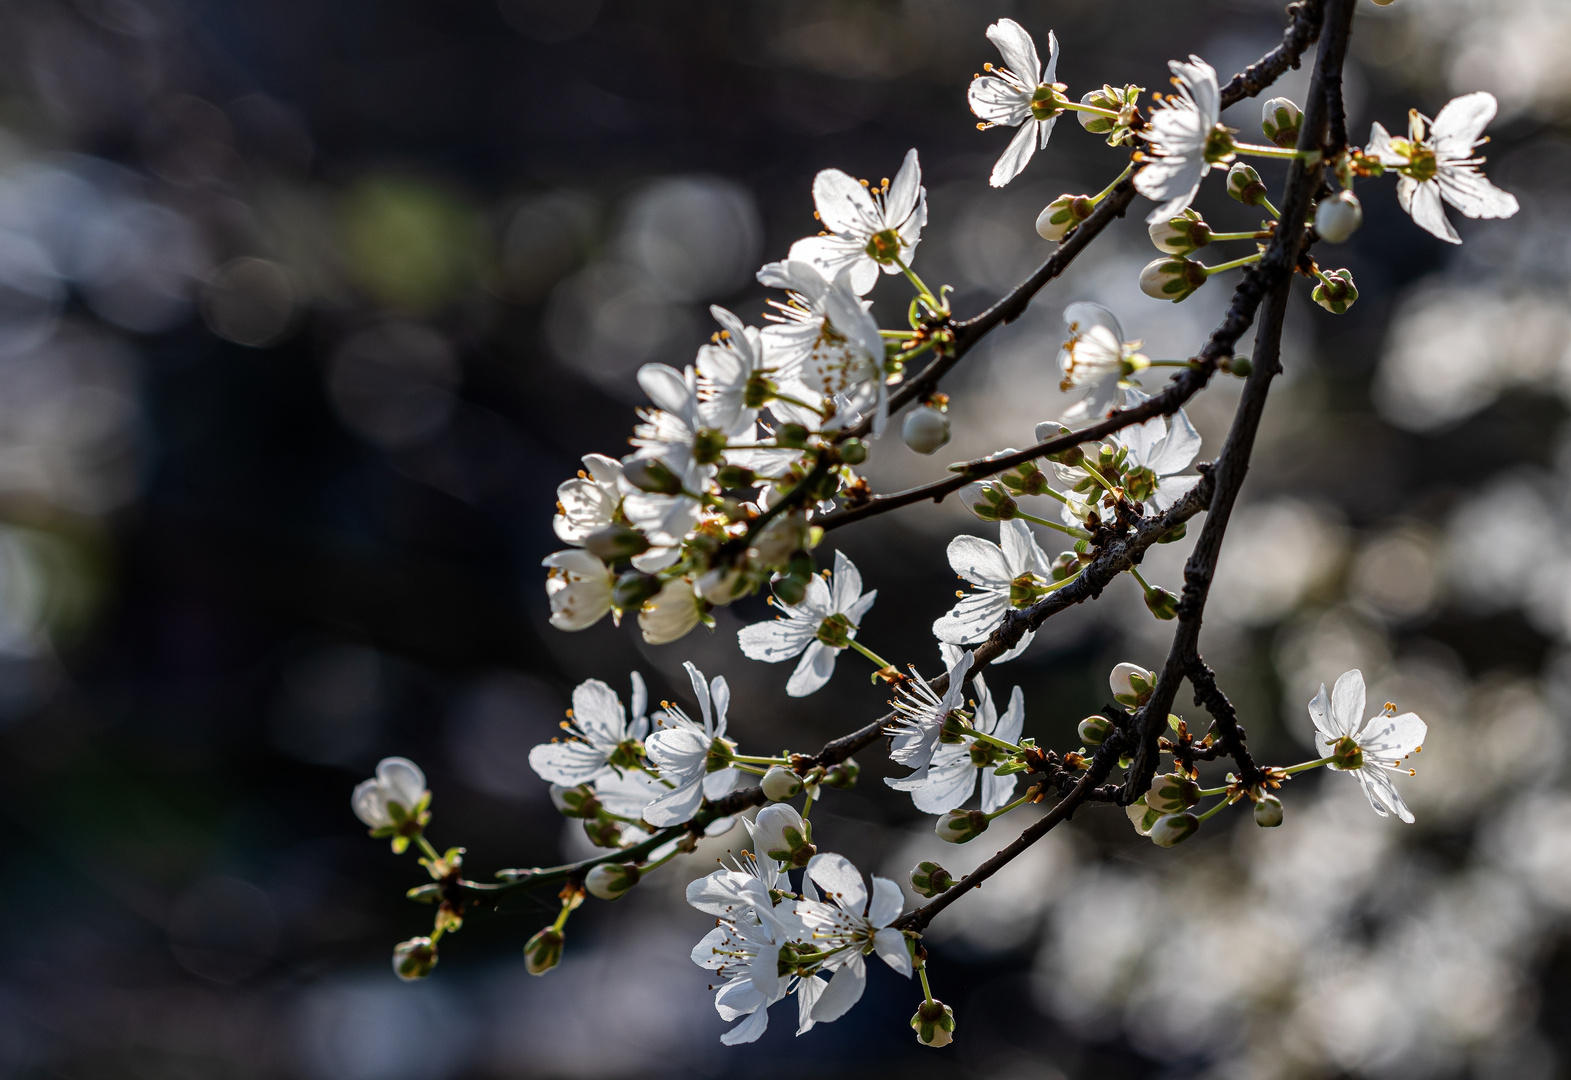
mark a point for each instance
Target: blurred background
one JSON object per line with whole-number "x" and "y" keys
{"x": 307, "y": 307}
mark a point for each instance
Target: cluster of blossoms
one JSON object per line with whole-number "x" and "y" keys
{"x": 742, "y": 455}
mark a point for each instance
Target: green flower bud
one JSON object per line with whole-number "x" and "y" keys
{"x": 1142, "y": 816}
{"x": 1337, "y": 296}
{"x": 1338, "y": 217}
{"x": 1131, "y": 684}
{"x": 1281, "y": 121}
{"x": 988, "y": 500}
{"x": 1173, "y": 829}
{"x": 1171, "y": 278}
{"x": 632, "y": 588}
{"x": 543, "y": 951}
{"x": 960, "y": 826}
{"x": 1162, "y": 604}
{"x": 652, "y": 475}
{"x": 791, "y": 435}
{"x": 780, "y": 783}
{"x": 603, "y": 832}
{"x": 853, "y": 451}
{"x": 1239, "y": 365}
{"x": 1093, "y": 730}
{"x": 1180, "y": 235}
{"x": 414, "y": 959}
{"x": 615, "y": 542}
{"x": 1245, "y": 185}
{"x": 843, "y": 775}
{"x": 611, "y": 881}
{"x": 1268, "y": 811}
{"x": 934, "y": 1023}
{"x": 735, "y": 476}
{"x": 929, "y": 879}
{"x": 1062, "y": 215}
{"x": 576, "y": 802}
{"x": 1172, "y": 792}
{"x": 925, "y": 429}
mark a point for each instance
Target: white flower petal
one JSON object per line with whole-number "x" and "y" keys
{"x": 1461, "y": 124}
{"x": 748, "y": 1030}
{"x": 1423, "y": 202}
{"x": 1018, "y": 50}
{"x": 972, "y": 619}
{"x": 567, "y": 763}
{"x": 676, "y": 806}
{"x": 848, "y": 583}
{"x": 886, "y": 904}
{"x": 844, "y": 990}
{"x": 890, "y": 945}
{"x": 999, "y": 102}
{"x": 844, "y": 205}
{"x": 774, "y": 641}
{"x": 979, "y": 561}
{"x": 1392, "y": 738}
{"x": 1016, "y": 156}
{"x": 1347, "y": 702}
{"x": 815, "y": 669}
{"x": 597, "y": 712}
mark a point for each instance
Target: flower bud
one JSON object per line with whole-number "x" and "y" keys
{"x": 632, "y": 589}
{"x": 780, "y": 833}
{"x": 611, "y": 881}
{"x": 1131, "y": 684}
{"x": 780, "y": 783}
{"x": 1268, "y": 811}
{"x": 1239, "y": 365}
{"x": 576, "y": 802}
{"x": 1337, "y": 296}
{"x": 1142, "y": 816}
{"x": 1281, "y": 120}
{"x": 735, "y": 476}
{"x": 1182, "y": 234}
{"x": 1338, "y": 217}
{"x": 543, "y": 951}
{"x": 843, "y": 775}
{"x": 1063, "y": 214}
{"x": 615, "y": 542}
{"x": 934, "y": 1023}
{"x": 929, "y": 879}
{"x": 1172, "y": 792}
{"x": 414, "y": 959}
{"x": 959, "y": 826}
{"x": 1171, "y": 278}
{"x": 652, "y": 475}
{"x": 1171, "y": 830}
{"x": 791, "y": 435}
{"x": 1245, "y": 185}
{"x": 853, "y": 451}
{"x": 989, "y": 501}
{"x": 780, "y": 539}
{"x": 603, "y": 832}
{"x": 1162, "y": 604}
{"x": 1093, "y": 730}
{"x": 925, "y": 429}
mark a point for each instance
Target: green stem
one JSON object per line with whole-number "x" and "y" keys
{"x": 1215, "y": 810}
{"x": 658, "y": 863}
{"x": 789, "y": 400}
{"x": 1076, "y": 106}
{"x": 1078, "y": 534}
{"x": 561, "y": 918}
{"x": 1287, "y": 154}
{"x": 1027, "y": 797}
{"x": 982, "y": 736}
{"x": 761, "y": 760}
{"x": 1307, "y": 765}
{"x": 753, "y": 769}
{"x": 869, "y": 653}
{"x": 807, "y": 807}
{"x": 898, "y": 333}
{"x": 1206, "y": 793}
{"x": 1238, "y": 236}
{"x": 1171, "y": 363}
{"x": 425, "y": 846}
{"x": 921, "y": 969}
{"x": 1105, "y": 192}
{"x": 1143, "y": 583}
{"x": 1245, "y": 261}
{"x": 1091, "y": 469}
{"x": 1273, "y": 211}
{"x": 925, "y": 294}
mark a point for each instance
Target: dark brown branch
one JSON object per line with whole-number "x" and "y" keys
{"x": 1300, "y": 34}
{"x": 1230, "y": 733}
{"x": 1273, "y": 273}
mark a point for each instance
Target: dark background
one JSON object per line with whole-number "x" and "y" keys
{"x": 306, "y": 309}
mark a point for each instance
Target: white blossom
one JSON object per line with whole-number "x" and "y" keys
{"x": 578, "y": 586}
{"x": 867, "y": 228}
{"x": 601, "y": 735}
{"x": 818, "y": 629}
{"x": 398, "y": 781}
{"x": 1181, "y": 138}
{"x": 1009, "y": 574}
{"x": 1158, "y": 450}
{"x": 680, "y": 425}
{"x": 686, "y": 752}
{"x": 745, "y": 949}
{"x": 1369, "y": 750}
{"x": 1442, "y": 166}
{"x": 1008, "y": 96}
{"x": 729, "y": 369}
{"x": 670, "y": 613}
{"x": 1094, "y": 357}
{"x": 588, "y": 501}
{"x": 665, "y": 518}
{"x": 951, "y": 776}
{"x": 920, "y": 714}
{"x": 825, "y": 341}
{"x": 854, "y": 923}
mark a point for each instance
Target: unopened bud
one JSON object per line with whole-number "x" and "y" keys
{"x": 1338, "y": 217}
{"x": 652, "y": 475}
{"x": 1240, "y": 366}
{"x": 1093, "y": 730}
{"x": 615, "y": 542}
{"x": 611, "y": 881}
{"x": 791, "y": 435}
{"x": 843, "y": 775}
{"x": 1281, "y": 120}
{"x": 853, "y": 451}
{"x": 925, "y": 429}
{"x": 543, "y": 951}
{"x": 1061, "y": 215}
{"x": 1162, "y": 604}
{"x": 780, "y": 833}
{"x": 929, "y": 879}
{"x": 1337, "y": 292}
{"x": 934, "y": 1023}
{"x": 1142, "y": 816}
{"x": 959, "y": 826}
{"x": 735, "y": 476}
{"x": 1245, "y": 185}
{"x": 1171, "y": 830}
{"x": 1172, "y": 279}
{"x": 1172, "y": 792}
{"x": 603, "y": 832}
{"x": 780, "y": 783}
{"x": 1180, "y": 235}
{"x": 1268, "y": 811}
{"x": 576, "y": 802}
{"x": 989, "y": 501}
{"x": 633, "y": 588}
{"x": 1131, "y": 684}
{"x": 414, "y": 959}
